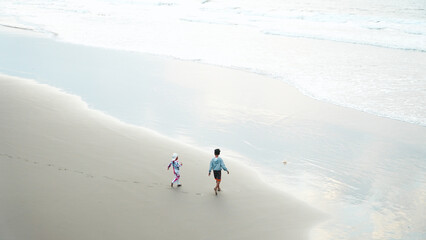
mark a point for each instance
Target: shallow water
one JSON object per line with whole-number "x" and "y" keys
{"x": 252, "y": 35}
{"x": 371, "y": 181}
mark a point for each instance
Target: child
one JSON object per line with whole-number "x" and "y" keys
{"x": 176, "y": 165}
{"x": 217, "y": 164}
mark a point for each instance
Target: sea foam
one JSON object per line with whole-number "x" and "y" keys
{"x": 252, "y": 36}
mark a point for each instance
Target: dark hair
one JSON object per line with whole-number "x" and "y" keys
{"x": 217, "y": 151}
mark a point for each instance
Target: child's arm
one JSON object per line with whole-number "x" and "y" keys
{"x": 169, "y": 165}
{"x": 211, "y": 167}
{"x": 223, "y": 166}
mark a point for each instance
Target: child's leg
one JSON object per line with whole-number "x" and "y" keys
{"x": 217, "y": 186}
{"x": 176, "y": 179}
{"x": 177, "y": 176}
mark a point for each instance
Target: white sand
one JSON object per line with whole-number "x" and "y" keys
{"x": 69, "y": 172}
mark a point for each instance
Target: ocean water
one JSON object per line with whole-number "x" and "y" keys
{"x": 366, "y": 55}
{"x": 251, "y": 35}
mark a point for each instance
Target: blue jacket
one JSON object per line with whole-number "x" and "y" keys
{"x": 216, "y": 164}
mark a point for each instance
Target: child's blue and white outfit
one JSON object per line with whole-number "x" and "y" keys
{"x": 176, "y": 165}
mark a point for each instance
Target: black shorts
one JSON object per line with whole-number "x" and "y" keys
{"x": 217, "y": 175}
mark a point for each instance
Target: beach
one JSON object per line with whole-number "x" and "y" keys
{"x": 87, "y": 134}
{"x": 71, "y": 172}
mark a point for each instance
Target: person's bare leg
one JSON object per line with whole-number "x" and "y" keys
{"x": 217, "y": 187}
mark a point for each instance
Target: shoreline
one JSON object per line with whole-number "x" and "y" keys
{"x": 86, "y": 176}
{"x": 6, "y": 29}
{"x": 312, "y": 130}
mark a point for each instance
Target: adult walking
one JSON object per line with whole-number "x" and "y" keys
{"x": 217, "y": 164}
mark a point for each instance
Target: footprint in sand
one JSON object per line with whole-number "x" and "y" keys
{"x": 110, "y": 178}
{"x": 66, "y": 169}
